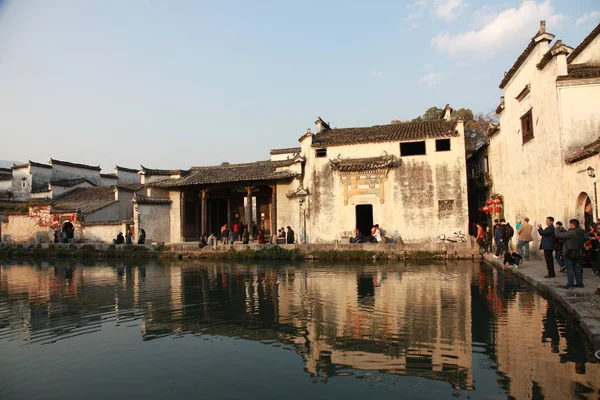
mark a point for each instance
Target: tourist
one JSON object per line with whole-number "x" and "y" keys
{"x": 558, "y": 245}
{"x": 120, "y": 239}
{"x": 261, "y": 237}
{"x": 55, "y": 236}
{"x": 376, "y": 234}
{"x": 547, "y": 244}
{"x": 282, "y": 233}
{"x": 236, "y": 230}
{"x": 593, "y": 244}
{"x": 358, "y": 238}
{"x": 290, "y": 238}
{"x": 512, "y": 260}
{"x": 525, "y": 236}
{"x": 480, "y": 237}
{"x": 142, "y": 237}
{"x": 500, "y": 238}
{"x": 496, "y": 226}
{"x": 202, "y": 241}
{"x": 225, "y": 234}
{"x": 230, "y": 237}
{"x": 573, "y": 251}
{"x": 212, "y": 240}
{"x": 128, "y": 238}
{"x": 246, "y": 237}
{"x": 489, "y": 238}
{"x": 509, "y": 233}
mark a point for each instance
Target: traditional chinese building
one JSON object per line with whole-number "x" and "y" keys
{"x": 410, "y": 178}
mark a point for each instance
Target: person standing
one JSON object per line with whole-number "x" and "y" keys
{"x": 290, "y": 236}
{"x": 558, "y": 245}
{"x": 573, "y": 251}
{"x": 225, "y": 234}
{"x": 128, "y": 238}
{"x": 494, "y": 227}
{"x": 489, "y": 237}
{"x": 236, "y": 230}
{"x": 500, "y": 238}
{"x": 261, "y": 237}
{"x": 525, "y": 236}
{"x": 547, "y": 245}
{"x": 142, "y": 237}
{"x": 480, "y": 238}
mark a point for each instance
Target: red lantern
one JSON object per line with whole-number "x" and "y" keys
{"x": 54, "y": 218}
{"x": 497, "y": 209}
{"x": 497, "y": 201}
{"x": 485, "y": 209}
{"x": 72, "y": 218}
{"x": 490, "y": 202}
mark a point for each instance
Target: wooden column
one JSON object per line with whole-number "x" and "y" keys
{"x": 229, "y": 213}
{"x": 203, "y": 216}
{"x": 249, "y": 210}
{"x": 273, "y": 213}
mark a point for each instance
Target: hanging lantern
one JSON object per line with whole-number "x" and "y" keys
{"x": 497, "y": 209}
{"x": 486, "y": 209}
{"x": 490, "y": 202}
{"x": 72, "y": 218}
{"x": 497, "y": 201}
{"x": 54, "y": 218}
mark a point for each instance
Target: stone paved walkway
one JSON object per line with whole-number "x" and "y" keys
{"x": 582, "y": 303}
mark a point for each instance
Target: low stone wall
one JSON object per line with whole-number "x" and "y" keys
{"x": 103, "y": 232}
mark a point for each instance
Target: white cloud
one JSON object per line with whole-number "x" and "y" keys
{"x": 509, "y": 28}
{"x": 591, "y": 16}
{"x": 415, "y": 25}
{"x": 418, "y": 4}
{"x": 413, "y": 16}
{"x": 431, "y": 79}
{"x": 376, "y": 74}
{"x": 449, "y": 9}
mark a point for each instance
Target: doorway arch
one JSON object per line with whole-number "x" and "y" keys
{"x": 584, "y": 210}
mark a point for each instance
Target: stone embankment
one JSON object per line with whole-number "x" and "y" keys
{"x": 186, "y": 251}
{"x": 582, "y": 303}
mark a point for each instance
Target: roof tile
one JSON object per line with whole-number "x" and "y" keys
{"x": 585, "y": 43}
{"x": 86, "y": 200}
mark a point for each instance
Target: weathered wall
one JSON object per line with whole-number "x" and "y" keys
{"x": 579, "y": 114}
{"x": 125, "y": 205}
{"x": 287, "y": 209}
{"x": 125, "y": 177}
{"x": 104, "y": 181}
{"x": 108, "y": 213}
{"x": 591, "y": 54}
{"x": 23, "y": 228}
{"x": 5, "y": 185}
{"x": 155, "y": 219}
{"x": 103, "y": 232}
{"x": 27, "y": 178}
{"x": 69, "y": 172}
{"x": 411, "y": 193}
{"x": 58, "y": 190}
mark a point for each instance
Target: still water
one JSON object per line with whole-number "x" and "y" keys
{"x": 269, "y": 331}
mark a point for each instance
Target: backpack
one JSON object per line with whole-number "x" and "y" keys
{"x": 510, "y": 232}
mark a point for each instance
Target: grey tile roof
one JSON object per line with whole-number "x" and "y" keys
{"x": 256, "y": 171}
{"x": 70, "y": 182}
{"x": 127, "y": 169}
{"x": 75, "y": 165}
{"x": 289, "y": 150}
{"x": 385, "y": 133}
{"x": 160, "y": 172}
{"x": 364, "y": 164}
{"x": 151, "y": 200}
{"x": 32, "y": 164}
{"x": 133, "y": 187}
{"x": 86, "y": 200}
{"x": 586, "y": 152}
{"x": 109, "y": 176}
{"x": 585, "y": 43}
{"x": 581, "y": 71}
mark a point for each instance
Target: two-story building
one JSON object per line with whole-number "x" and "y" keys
{"x": 409, "y": 178}
{"x": 544, "y": 155}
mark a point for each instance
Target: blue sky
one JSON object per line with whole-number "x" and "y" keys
{"x": 189, "y": 82}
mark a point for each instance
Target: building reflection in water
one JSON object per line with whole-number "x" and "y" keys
{"x": 403, "y": 320}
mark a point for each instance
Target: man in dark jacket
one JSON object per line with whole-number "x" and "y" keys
{"x": 573, "y": 249}
{"x": 290, "y": 236}
{"x": 500, "y": 238}
{"x": 547, "y": 244}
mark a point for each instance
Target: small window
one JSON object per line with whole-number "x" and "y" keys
{"x": 412, "y": 149}
{"x": 320, "y": 153}
{"x": 24, "y": 184}
{"x": 445, "y": 205}
{"x": 442, "y": 145}
{"x": 527, "y": 126}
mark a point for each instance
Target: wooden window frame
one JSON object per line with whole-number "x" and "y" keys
{"x": 527, "y": 134}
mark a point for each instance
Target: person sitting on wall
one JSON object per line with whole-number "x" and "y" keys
{"x": 376, "y": 234}
{"x": 120, "y": 239}
{"x": 358, "y": 238}
{"x": 202, "y": 241}
{"x": 212, "y": 240}
{"x": 142, "y": 237}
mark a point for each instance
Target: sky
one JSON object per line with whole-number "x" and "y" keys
{"x": 189, "y": 82}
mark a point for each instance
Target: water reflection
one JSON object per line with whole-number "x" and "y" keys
{"x": 457, "y": 323}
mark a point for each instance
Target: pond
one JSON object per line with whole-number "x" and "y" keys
{"x": 293, "y": 331}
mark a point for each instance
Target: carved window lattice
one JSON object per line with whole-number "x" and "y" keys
{"x": 445, "y": 206}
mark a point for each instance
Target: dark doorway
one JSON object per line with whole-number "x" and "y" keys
{"x": 364, "y": 218}
{"x": 217, "y": 215}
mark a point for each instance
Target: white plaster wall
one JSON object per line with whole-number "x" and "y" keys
{"x": 575, "y": 182}
{"x": 41, "y": 195}
{"x": 282, "y": 157}
{"x": 412, "y": 192}
{"x": 579, "y": 114}
{"x": 103, "y": 233}
{"x": 591, "y": 54}
{"x": 20, "y": 176}
{"x": 5, "y": 185}
{"x": 175, "y": 217}
{"x": 288, "y": 209}
{"x": 68, "y": 172}
{"x": 108, "y": 213}
{"x": 24, "y": 229}
{"x": 125, "y": 177}
{"x": 125, "y": 205}
{"x": 155, "y": 220}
